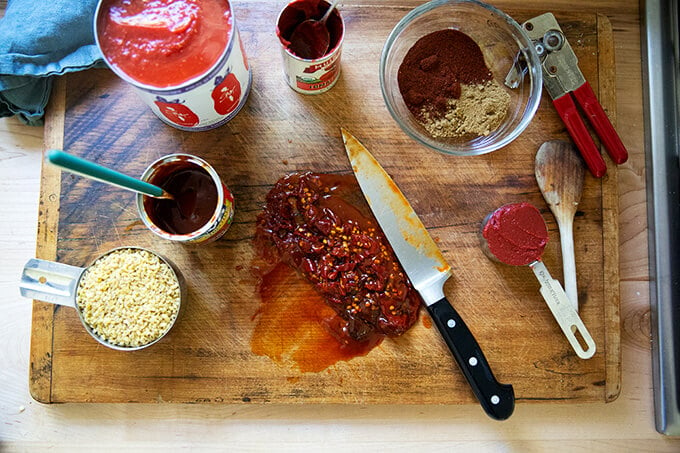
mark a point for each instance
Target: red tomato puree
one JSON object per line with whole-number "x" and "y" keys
{"x": 163, "y": 43}
{"x": 516, "y": 234}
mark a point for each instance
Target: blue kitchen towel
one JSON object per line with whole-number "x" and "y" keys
{"x": 38, "y": 40}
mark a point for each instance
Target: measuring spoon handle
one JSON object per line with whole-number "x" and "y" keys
{"x": 563, "y": 311}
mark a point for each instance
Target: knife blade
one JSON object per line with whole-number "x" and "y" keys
{"x": 427, "y": 269}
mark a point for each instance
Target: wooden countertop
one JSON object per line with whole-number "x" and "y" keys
{"x": 626, "y": 424}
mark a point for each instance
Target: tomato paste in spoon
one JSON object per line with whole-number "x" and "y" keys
{"x": 311, "y": 39}
{"x": 515, "y": 234}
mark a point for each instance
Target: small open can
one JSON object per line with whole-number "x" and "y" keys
{"x": 310, "y": 76}
{"x": 58, "y": 283}
{"x": 217, "y": 219}
{"x": 205, "y": 101}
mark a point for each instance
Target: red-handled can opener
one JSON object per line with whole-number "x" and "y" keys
{"x": 563, "y": 79}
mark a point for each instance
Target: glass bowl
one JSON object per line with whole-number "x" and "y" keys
{"x": 504, "y": 45}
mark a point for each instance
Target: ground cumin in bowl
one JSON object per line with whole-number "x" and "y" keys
{"x": 442, "y": 74}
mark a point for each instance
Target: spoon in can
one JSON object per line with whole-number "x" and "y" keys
{"x": 560, "y": 173}
{"x": 88, "y": 169}
{"x": 311, "y": 38}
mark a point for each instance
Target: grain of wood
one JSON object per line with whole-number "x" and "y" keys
{"x": 46, "y": 246}
{"x": 203, "y": 358}
{"x": 610, "y": 207}
{"x": 624, "y": 425}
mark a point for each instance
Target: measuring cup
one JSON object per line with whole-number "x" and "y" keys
{"x": 58, "y": 283}
{"x": 516, "y": 234}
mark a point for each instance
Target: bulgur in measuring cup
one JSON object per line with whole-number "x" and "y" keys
{"x": 127, "y": 299}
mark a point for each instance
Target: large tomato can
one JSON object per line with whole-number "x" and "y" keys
{"x": 159, "y": 50}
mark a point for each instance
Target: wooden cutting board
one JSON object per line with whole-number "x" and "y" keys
{"x": 207, "y": 357}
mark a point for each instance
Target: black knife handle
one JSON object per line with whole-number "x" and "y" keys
{"x": 497, "y": 400}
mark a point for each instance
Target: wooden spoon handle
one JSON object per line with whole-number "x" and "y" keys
{"x": 569, "y": 261}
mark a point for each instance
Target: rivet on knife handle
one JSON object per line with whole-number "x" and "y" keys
{"x": 497, "y": 400}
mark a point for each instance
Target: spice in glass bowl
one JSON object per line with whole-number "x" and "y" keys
{"x": 449, "y": 89}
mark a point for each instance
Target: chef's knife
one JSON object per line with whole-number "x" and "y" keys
{"x": 426, "y": 268}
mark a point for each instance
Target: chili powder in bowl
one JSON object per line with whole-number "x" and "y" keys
{"x": 442, "y": 75}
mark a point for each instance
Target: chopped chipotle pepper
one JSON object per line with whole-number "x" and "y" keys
{"x": 310, "y": 224}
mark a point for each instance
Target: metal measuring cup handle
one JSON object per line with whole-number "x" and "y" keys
{"x": 51, "y": 282}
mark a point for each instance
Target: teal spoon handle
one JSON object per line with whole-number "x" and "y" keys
{"x": 91, "y": 170}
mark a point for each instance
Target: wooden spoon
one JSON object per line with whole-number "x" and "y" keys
{"x": 560, "y": 173}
